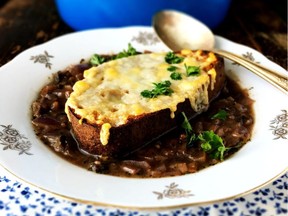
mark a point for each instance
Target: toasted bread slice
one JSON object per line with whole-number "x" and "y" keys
{"x": 126, "y": 103}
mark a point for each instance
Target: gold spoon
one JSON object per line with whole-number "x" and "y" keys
{"x": 181, "y": 31}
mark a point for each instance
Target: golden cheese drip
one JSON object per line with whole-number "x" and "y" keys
{"x": 111, "y": 92}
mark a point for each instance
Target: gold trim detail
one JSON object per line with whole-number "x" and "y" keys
{"x": 90, "y": 202}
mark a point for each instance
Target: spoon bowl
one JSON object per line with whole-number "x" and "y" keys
{"x": 180, "y": 31}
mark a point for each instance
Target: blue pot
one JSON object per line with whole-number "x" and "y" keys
{"x": 89, "y": 14}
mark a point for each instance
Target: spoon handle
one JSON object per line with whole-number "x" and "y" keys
{"x": 278, "y": 80}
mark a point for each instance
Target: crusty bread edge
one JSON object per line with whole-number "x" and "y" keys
{"x": 138, "y": 130}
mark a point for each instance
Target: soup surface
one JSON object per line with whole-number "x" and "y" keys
{"x": 227, "y": 125}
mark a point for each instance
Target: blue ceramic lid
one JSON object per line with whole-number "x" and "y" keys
{"x": 81, "y": 15}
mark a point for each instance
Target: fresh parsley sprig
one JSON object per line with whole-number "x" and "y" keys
{"x": 172, "y": 58}
{"x": 192, "y": 70}
{"x": 161, "y": 88}
{"x": 212, "y": 144}
{"x": 97, "y": 60}
{"x": 172, "y": 68}
{"x": 209, "y": 141}
{"x": 125, "y": 53}
{"x": 174, "y": 74}
{"x": 190, "y": 136}
{"x": 221, "y": 114}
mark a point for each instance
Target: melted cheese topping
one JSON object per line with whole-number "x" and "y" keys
{"x": 111, "y": 92}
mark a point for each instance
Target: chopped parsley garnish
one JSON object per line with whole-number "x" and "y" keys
{"x": 176, "y": 76}
{"x": 192, "y": 70}
{"x": 209, "y": 141}
{"x": 97, "y": 60}
{"x": 125, "y": 53}
{"x": 171, "y": 58}
{"x": 161, "y": 88}
{"x": 172, "y": 68}
{"x": 212, "y": 144}
{"x": 190, "y": 136}
{"x": 222, "y": 114}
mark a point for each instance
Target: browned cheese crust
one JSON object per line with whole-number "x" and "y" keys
{"x": 139, "y": 130}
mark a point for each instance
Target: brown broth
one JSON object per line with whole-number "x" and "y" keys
{"x": 167, "y": 156}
